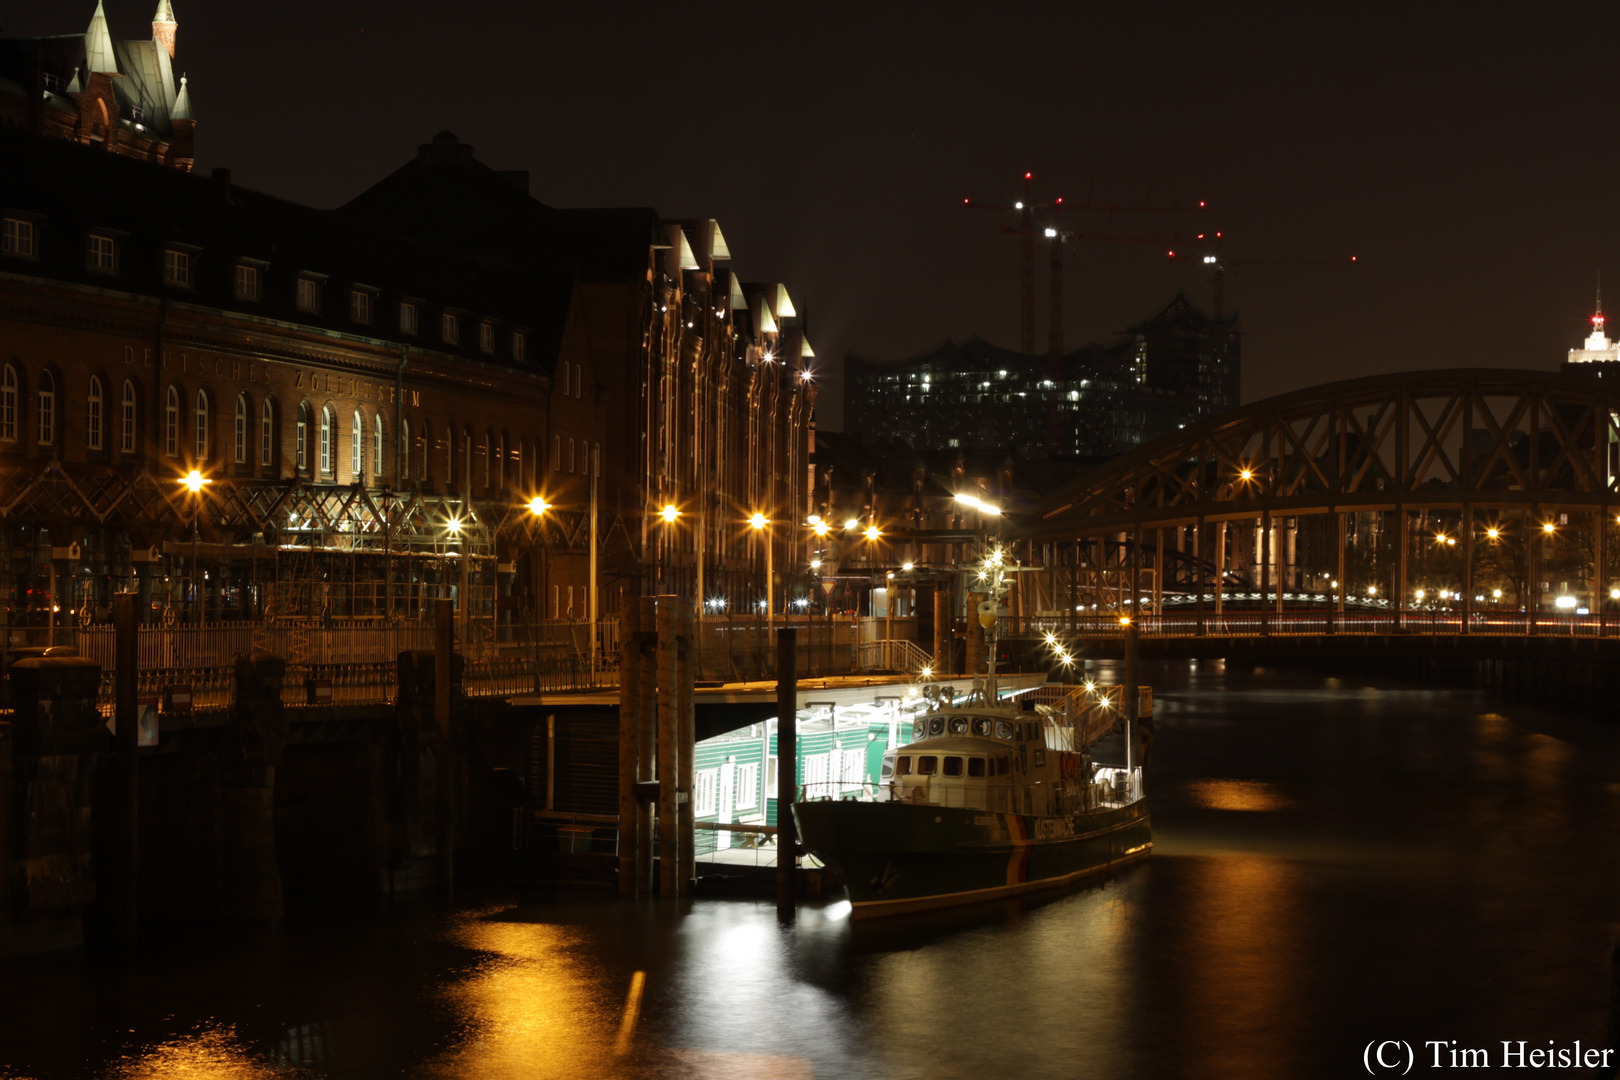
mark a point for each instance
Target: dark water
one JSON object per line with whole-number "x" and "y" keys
{"x": 1336, "y": 862}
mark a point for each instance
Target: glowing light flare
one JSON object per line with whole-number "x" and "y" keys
{"x": 908, "y": 567}
{"x": 1548, "y": 527}
{"x": 194, "y": 481}
{"x": 1496, "y": 594}
{"x": 538, "y": 506}
{"x": 758, "y": 521}
{"x": 670, "y": 512}
{"x": 820, "y": 528}
{"x": 1372, "y": 590}
{"x": 453, "y": 526}
{"x": 872, "y": 532}
{"x": 852, "y": 523}
{"x": 1246, "y": 475}
{"x": 1493, "y": 534}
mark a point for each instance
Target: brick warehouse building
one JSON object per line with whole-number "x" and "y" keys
{"x": 373, "y": 413}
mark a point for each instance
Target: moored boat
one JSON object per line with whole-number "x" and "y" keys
{"x": 989, "y": 799}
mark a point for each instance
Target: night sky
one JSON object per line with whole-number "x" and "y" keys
{"x": 1466, "y": 154}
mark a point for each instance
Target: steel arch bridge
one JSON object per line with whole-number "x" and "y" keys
{"x": 1450, "y": 491}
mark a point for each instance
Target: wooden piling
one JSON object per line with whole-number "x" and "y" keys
{"x": 669, "y": 757}
{"x": 127, "y": 743}
{"x": 443, "y": 646}
{"x": 787, "y": 770}
{"x": 629, "y": 743}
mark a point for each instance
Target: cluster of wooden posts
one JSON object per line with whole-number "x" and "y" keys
{"x": 657, "y": 740}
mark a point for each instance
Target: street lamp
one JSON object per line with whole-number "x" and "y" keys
{"x": 761, "y": 524}
{"x": 194, "y": 482}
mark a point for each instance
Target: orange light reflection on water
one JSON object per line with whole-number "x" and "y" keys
{"x": 211, "y": 1054}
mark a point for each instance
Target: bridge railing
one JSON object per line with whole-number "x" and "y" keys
{"x": 1314, "y": 623}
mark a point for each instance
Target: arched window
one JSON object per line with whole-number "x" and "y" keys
{"x": 303, "y": 435}
{"x": 357, "y": 448}
{"x": 8, "y": 404}
{"x": 92, "y": 427}
{"x": 171, "y": 423}
{"x": 242, "y": 436}
{"x": 47, "y": 408}
{"x": 570, "y": 455}
{"x": 126, "y": 437}
{"x": 202, "y": 426}
{"x": 404, "y": 448}
{"x": 267, "y": 433}
{"x": 377, "y": 444}
{"x": 328, "y": 440}
{"x": 424, "y": 442}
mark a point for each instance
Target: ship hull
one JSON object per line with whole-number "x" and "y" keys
{"x": 901, "y": 857}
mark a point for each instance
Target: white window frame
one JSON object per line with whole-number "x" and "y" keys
{"x": 360, "y": 306}
{"x": 19, "y": 239}
{"x": 328, "y": 440}
{"x": 93, "y": 411}
{"x": 240, "y": 443}
{"x": 301, "y": 452}
{"x": 410, "y": 317}
{"x": 127, "y": 419}
{"x": 171, "y": 422}
{"x": 708, "y": 785}
{"x": 378, "y": 441}
{"x": 204, "y": 429}
{"x": 101, "y": 254}
{"x": 46, "y": 394}
{"x": 245, "y": 281}
{"x": 267, "y": 432}
{"x": 309, "y": 295}
{"x": 177, "y": 268}
{"x": 748, "y": 786}
{"x": 357, "y": 447}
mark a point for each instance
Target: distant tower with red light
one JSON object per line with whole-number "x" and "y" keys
{"x": 1599, "y": 348}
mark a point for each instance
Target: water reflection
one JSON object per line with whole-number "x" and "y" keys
{"x": 1334, "y": 862}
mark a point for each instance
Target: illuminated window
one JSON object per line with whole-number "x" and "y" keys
{"x": 301, "y": 451}
{"x": 407, "y": 317}
{"x": 377, "y": 446}
{"x": 309, "y": 295}
{"x": 360, "y": 306}
{"x": 47, "y": 408}
{"x": 92, "y": 427}
{"x": 486, "y": 337}
{"x": 357, "y": 447}
{"x": 450, "y": 328}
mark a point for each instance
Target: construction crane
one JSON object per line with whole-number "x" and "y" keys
{"x": 1218, "y": 267}
{"x": 1028, "y": 231}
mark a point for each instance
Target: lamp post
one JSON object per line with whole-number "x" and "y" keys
{"x": 762, "y": 524}
{"x": 194, "y": 482}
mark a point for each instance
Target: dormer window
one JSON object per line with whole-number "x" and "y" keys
{"x": 17, "y": 239}
{"x": 450, "y": 328}
{"x": 486, "y": 337}
{"x": 407, "y": 317}
{"x": 520, "y": 345}
{"x": 246, "y": 280}
{"x": 309, "y": 295}
{"x": 101, "y": 255}
{"x": 177, "y": 268}
{"x": 360, "y": 306}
